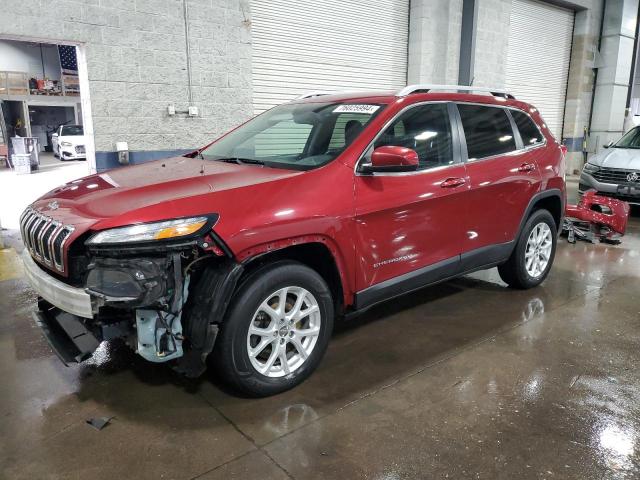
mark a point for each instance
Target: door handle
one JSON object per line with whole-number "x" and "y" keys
{"x": 526, "y": 167}
{"x": 453, "y": 182}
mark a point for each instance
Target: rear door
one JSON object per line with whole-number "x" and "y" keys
{"x": 503, "y": 178}
{"x": 409, "y": 225}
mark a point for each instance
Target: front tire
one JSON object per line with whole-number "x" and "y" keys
{"x": 531, "y": 260}
{"x": 276, "y": 331}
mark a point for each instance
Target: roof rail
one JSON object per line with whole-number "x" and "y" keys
{"x": 424, "y": 88}
{"x": 315, "y": 93}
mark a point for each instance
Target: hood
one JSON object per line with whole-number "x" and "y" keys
{"x": 74, "y": 140}
{"x": 152, "y": 191}
{"x": 624, "y": 158}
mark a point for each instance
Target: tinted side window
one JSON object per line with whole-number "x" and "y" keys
{"x": 425, "y": 129}
{"x": 528, "y": 130}
{"x": 487, "y": 131}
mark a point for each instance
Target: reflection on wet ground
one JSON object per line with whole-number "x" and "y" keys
{"x": 466, "y": 379}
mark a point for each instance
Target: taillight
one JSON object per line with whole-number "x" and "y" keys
{"x": 563, "y": 148}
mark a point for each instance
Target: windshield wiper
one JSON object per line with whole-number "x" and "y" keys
{"x": 241, "y": 161}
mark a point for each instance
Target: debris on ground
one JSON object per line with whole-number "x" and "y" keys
{"x": 99, "y": 422}
{"x": 596, "y": 218}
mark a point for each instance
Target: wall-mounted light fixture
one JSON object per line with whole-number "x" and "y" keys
{"x": 123, "y": 153}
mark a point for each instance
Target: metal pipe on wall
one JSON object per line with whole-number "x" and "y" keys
{"x": 188, "y": 48}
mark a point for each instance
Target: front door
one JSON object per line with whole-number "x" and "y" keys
{"x": 410, "y": 225}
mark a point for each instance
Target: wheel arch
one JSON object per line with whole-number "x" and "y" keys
{"x": 551, "y": 200}
{"x": 316, "y": 252}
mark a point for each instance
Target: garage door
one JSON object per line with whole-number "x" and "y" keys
{"x": 538, "y": 59}
{"x": 301, "y": 46}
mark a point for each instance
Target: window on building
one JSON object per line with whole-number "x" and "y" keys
{"x": 528, "y": 131}
{"x": 487, "y": 131}
{"x": 425, "y": 129}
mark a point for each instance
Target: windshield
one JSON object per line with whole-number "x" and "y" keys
{"x": 295, "y": 136}
{"x": 630, "y": 140}
{"x": 72, "y": 130}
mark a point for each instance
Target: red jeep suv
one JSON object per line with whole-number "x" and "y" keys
{"x": 242, "y": 254}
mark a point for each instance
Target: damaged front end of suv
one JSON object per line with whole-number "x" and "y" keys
{"x": 162, "y": 287}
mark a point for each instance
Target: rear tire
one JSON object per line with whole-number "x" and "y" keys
{"x": 531, "y": 260}
{"x": 285, "y": 345}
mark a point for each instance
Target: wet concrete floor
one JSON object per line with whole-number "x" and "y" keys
{"x": 467, "y": 379}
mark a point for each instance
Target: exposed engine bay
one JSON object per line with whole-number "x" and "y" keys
{"x": 143, "y": 298}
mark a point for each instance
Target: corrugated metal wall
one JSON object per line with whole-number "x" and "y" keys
{"x": 301, "y": 46}
{"x": 538, "y": 58}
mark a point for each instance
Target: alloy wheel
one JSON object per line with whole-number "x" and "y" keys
{"x": 538, "y": 251}
{"x": 283, "y": 331}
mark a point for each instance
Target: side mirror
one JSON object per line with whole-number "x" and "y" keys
{"x": 609, "y": 145}
{"x": 392, "y": 159}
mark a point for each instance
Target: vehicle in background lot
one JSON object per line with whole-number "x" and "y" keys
{"x": 245, "y": 251}
{"x": 69, "y": 143}
{"x": 615, "y": 172}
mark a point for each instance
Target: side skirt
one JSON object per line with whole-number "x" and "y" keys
{"x": 469, "y": 262}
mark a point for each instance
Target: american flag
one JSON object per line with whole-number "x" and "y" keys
{"x": 68, "y": 60}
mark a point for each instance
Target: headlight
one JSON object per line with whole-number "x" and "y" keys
{"x": 65, "y": 144}
{"x": 149, "y": 231}
{"x": 591, "y": 168}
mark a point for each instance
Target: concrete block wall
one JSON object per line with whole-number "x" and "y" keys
{"x": 137, "y": 66}
{"x": 434, "y": 41}
{"x": 492, "y": 42}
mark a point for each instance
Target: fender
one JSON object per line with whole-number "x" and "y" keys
{"x": 255, "y": 252}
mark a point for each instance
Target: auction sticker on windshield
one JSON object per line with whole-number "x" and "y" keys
{"x": 357, "y": 108}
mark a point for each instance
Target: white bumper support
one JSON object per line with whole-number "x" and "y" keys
{"x": 66, "y": 298}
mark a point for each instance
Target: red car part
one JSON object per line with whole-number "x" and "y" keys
{"x": 596, "y": 217}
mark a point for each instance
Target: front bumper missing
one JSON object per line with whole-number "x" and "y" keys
{"x": 66, "y": 334}
{"x": 66, "y": 298}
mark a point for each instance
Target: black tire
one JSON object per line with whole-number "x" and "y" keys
{"x": 230, "y": 357}
{"x": 513, "y": 272}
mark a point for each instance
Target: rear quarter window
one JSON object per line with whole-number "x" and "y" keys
{"x": 487, "y": 131}
{"x": 529, "y": 132}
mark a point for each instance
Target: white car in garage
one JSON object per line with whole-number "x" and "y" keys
{"x": 68, "y": 142}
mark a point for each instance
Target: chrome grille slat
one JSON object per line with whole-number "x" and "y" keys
{"x": 28, "y": 227}
{"x": 45, "y": 238}
{"x": 58, "y": 247}
{"x": 41, "y": 240}
{"x": 46, "y": 241}
{"x": 613, "y": 175}
{"x": 35, "y": 232}
{"x": 23, "y": 222}
{"x": 42, "y": 227}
